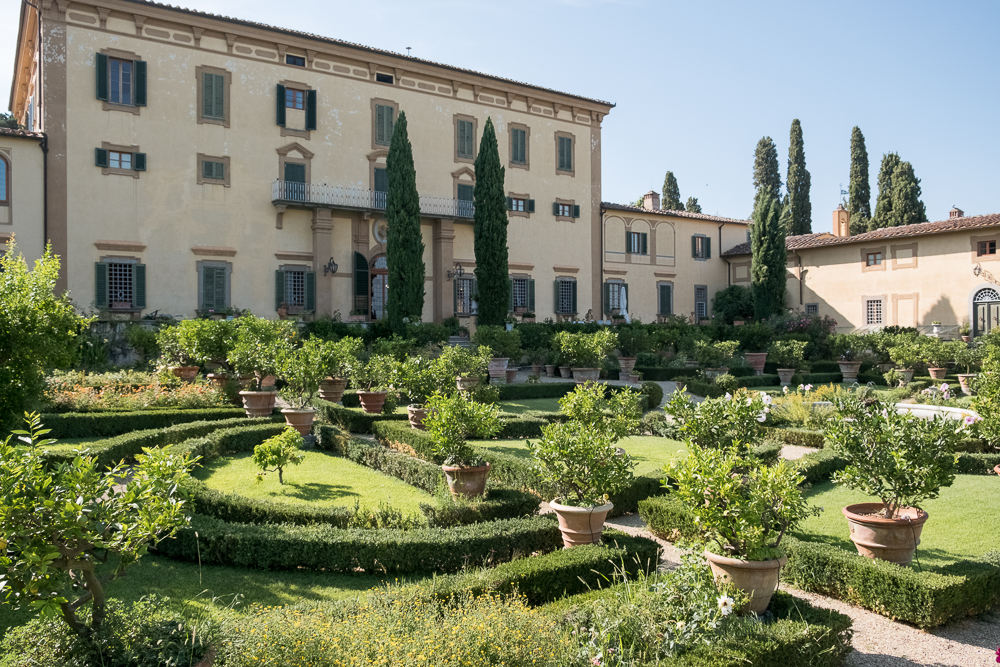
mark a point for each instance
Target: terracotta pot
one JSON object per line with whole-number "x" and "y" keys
{"x": 186, "y": 373}
{"x": 372, "y": 401}
{"x": 580, "y": 525}
{"x": 633, "y": 379}
{"x": 712, "y": 373}
{"x": 528, "y": 320}
{"x": 739, "y": 323}
{"x": 756, "y": 361}
{"x": 416, "y": 415}
{"x": 996, "y": 469}
{"x": 300, "y": 420}
{"x": 268, "y": 381}
{"x": 626, "y": 364}
{"x": 258, "y": 403}
{"x": 849, "y": 369}
{"x": 565, "y": 371}
{"x": 937, "y": 373}
{"x": 550, "y": 370}
{"x": 219, "y": 380}
{"x": 332, "y": 389}
{"x": 466, "y": 383}
{"x": 536, "y": 369}
{"x": 893, "y": 540}
{"x": 907, "y": 374}
{"x": 466, "y": 482}
{"x": 511, "y": 375}
{"x": 582, "y": 375}
{"x": 966, "y": 339}
{"x": 681, "y": 386}
{"x": 965, "y": 380}
{"x": 498, "y": 369}
{"x": 759, "y": 578}
{"x": 785, "y": 376}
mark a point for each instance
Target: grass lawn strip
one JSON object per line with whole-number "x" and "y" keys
{"x": 530, "y": 405}
{"x": 649, "y": 452}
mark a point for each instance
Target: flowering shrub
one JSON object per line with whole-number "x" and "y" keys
{"x": 731, "y": 421}
{"x": 812, "y": 325}
{"x": 63, "y": 397}
{"x": 796, "y": 406}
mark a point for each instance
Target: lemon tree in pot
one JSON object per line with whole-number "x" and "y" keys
{"x": 936, "y": 353}
{"x": 419, "y": 377}
{"x": 450, "y": 421}
{"x": 788, "y": 355}
{"x": 715, "y": 357}
{"x": 173, "y": 355}
{"x": 849, "y": 348}
{"x": 899, "y": 459}
{"x": 580, "y": 460}
{"x": 585, "y": 352}
{"x": 373, "y": 379}
{"x": 466, "y": 367}
{"x": 259, "y": 343}
{"x": 632, "y": 341}
{"x": 303, "y": 370}
{"x": 505, "y": 345}
{"x": 343, "y": 356}
{"x": 905, "y": 353}
{"x": 968, "y": 357}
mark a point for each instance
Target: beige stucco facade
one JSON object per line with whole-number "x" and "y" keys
{"x": 22, "y": 192}
{"x": 173, "y": 221}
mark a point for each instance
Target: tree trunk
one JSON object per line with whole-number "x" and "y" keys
{"x": 100, "y": 603}
{"x": 281, "y": 479}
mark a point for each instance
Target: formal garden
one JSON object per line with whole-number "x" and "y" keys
{"x": 253, "y": 491}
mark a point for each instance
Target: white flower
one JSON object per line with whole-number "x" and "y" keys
{"x": 785, "y": 389}
{"x": 767, "y": 409}
{"x": 725, "y": 605}
{"x": 749, "y": 401}
{"x": 761, "y": 417}
{"x": 809, "y": 387}
{"x": 801, "y": 386}
{"x": 729, "y": 396}
{"x": 767, "y": 398}
{"x": 944, "y": 386}
{"x": 680, "y": 625}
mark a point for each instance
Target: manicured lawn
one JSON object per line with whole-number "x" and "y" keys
{"x": 963, "y": 522}
{"x": 530, "y": 405}
{"x": 321, "y": 479}
{"x": 69, "y": 444}
{"x": 648, "y": 452}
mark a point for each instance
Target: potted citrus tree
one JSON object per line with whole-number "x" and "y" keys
{"x": 466, "y": 367}
{"x": 968, "y": 357}
{"x": 586, "y": 351}
{"x": 303, "y": 370}
{"x": 254, "y": 356}
{"x": 849, "y": 349}
{"x": 631, "y": 341}
{"x": 373, "y": 378}
{"x": 580, "y": 460}
{"x": 419, "y": 377}
{"x": 935, "y": 354}
{"x": 899, "y": 459}
{"x": 208, "y": 342}
{"x": 714, "y": 357}
{"x": 754, "y": 339}
{"x": 905, "y": 353}
{"x": 788, "y": 355}
{"x": 506, "y": 345}
{"x": 450, "y": 421}
{"x": 173, "y": 355}
{"x": 343, "y": 355}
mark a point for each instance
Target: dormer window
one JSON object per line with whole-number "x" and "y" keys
{"x": 384, "y": 78}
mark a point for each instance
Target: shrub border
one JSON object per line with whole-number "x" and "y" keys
{"x": 108, "y": 424}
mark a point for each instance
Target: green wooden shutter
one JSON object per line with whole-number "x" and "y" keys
{"x": 101, "y": 284}
{"x": 138, "y": 162}
{"x": 281, "y": 105}
{"x": 208, "y": 288}
{"x": 628, "y": 244}
{"x": 219, "y": 96}
{"x": 708, "y": 247}
{"x": 379, "y": 124}
{"x": 627, "y": 299}
{"x": 645, "y": 248}
{"x": 310, "y": 291}
{"x": 102, "y": 76}
{"x": 207, "y": 169}
{"x": 389, "y": 121}
{"x": 510, "y": 296}
{"x": 311, "y": 110}
{"x": 607, "y": 299}
{"x": 510, "y": 203}
{"x": 665, "y": 299}
{"x": 221, "y": 300}
{"x": 556, "y": 306}
{"x": 279, "y": 288}
{"x": 101, "y": 157}
{"x": 694, "y": 246}
{"x": 454, "y": 294}
{"x": 139, "y": 286}
{"x": 531, "y": 206}
{"x": 361, "y": 286}
{"x": 555, "y": 208}
{"x": 572, "y": 308}
{"x": 219, "y": 171}
{"x": 381, "y": 180}
{"x": 531, "y": 295}
{"x": 576, "y": 210}
{"x": 139, "y": 67}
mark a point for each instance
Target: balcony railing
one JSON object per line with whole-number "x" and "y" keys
{"x": 312, "y": 194}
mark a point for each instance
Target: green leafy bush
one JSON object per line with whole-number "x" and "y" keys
{"x": 652, "y": 394}
{"x": 586, "y": 350}
{"x": 452, "y": 419}
{"x": 733, "y": 303}
{"x": 727, "y": 382}
{"x": 277, "y": 453}
{"x": 353, "y": 420}
{"x": 787, "y": 353}
{"x": 259, "y": 343}
{"x": 502, "y": 343}
{"x": 715, "y": 355}
{"x": 732, "y": 420}
{"x": 206, "y": 341}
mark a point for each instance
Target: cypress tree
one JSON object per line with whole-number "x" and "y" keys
{"x": 671, "y": 194}
{"x": 907, "y": 208}
{"x": 693, "y": 206}
{"x": 404, "y": 251}
{"x": 768, "y": 258}
{"x": 490, "y": 231}
{"x": 766, "y": 178}
{"x": 860, "y": 203}
{"x": 797, "y": 184}
{"x": 883, "y": 203}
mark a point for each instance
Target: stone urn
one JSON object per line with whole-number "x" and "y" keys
{"x": 785, "y": 376}
{"x": 466, "y": 383}
{"x": 581, "y": 525}
{"x": 582, "y": 375}
{"x": 466, "y": 482}
{"x": 258, "y": 403}
{"x": 633, "y": 378}
{"x": 691, "y": 363}
{"x": 907, "y": 374}
{"x": 712, "y": 373}
{"x": 937, "y": 373}
{"x": 416, "y": 414}
{"x": 372, "y": 401}
{"x": 511, "y": 375}
{"x": 550, "y": 370}
{"x": 300, "y": 420}
{"x": 849, "y": 369}
{"x": 536, "y": 369}
{"x": 759, "y": 578}
{"x": 565, "y": 371}
{"x": 756, "y": 361}
{"x": 186, "y": 373}
{"x": 626, "y": 364}
{"x": 878, "y": 538}
{"x": 498, "y": 369}
{"x": 332, "y": 389}
{"x": 965, "y": 380}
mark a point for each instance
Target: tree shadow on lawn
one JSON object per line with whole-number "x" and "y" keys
{"x": 312, "y": 491}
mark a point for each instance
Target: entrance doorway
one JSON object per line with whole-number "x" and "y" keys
{"x": 380, "y": 286}
{"x": 987, "y": 307}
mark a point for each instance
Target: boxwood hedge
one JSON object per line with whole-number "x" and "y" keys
{"x": 107, "y": 424}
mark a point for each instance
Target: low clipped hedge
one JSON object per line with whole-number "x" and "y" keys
{"x": 655, "y": 374}
{"x": 977, "y": 464}
{"x": 705, "y": 389}
{"x": 801, "y": 437}
{"x": 323, "y": 547}
{"x": 354, "y": 420}
{"x": 107, "y": 424}
{"x": 820, "y": 465}
{"x": 668, "y": 518}
{"x": 926, "y": 599}
{"x": 523, "y": 392}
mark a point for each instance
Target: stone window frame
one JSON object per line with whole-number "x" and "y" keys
{"x": 571, "y": 203}
{"x": 893, "y": 249}
{"x": 475, "y": 133}
{"x": 305, "y": 88}
{"x": 201, "y": 70}
{"x": 379, "y": 101}
{"x": 708, "y": 304}
{"x": 741, "y": 265}
{"x": 805, "y": 308}
{"x": 864, "y": 309}
{"x": 306, "y": 159}
{"x": 120, "y": 148}
{"x": 639, "y": 235}
{"x": 214, "y": 263}
{"x": 121, "y": 55}
{"x": 224, "y": 159}
{"x": 517, "y": 214}
{"x": 121, "y": 259}
{"x": 456, "y": 177}
{"x": 521, "y": 276}
{"x": 566, "y": 315}
{"x": 297, "y": 268}
{"x": 373, "y": 164}
{"x": 865, "y": 251}
{"x": 704, "y": 255}
{"x": 662, "y": 283}
{"x": 896, "y": 298}
{"x": 527, "y": 147}
{"x": 572, "y": 137}
{"x": 8, "y": 160}
{"x": 974, "y": 248}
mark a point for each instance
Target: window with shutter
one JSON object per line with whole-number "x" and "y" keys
{"x": 101, "y": 284}
{"x": 381, "y": 180}
{"x": 465, "y": 142}
{"x": 101, "y": 157}
{"x": 279, "y": 288}
{"x": 102, "y": 77}
{"x": 139, "y": 286}
{"x": 311, "y": 110}
{"x": 214, "y": 295}
{"x": 140, "y": 82}
{"x": 701, "y": 247}
{"x": 139, "y": 161}
{"x": 701, "y": 301}
{"x": 361, "y": 287}
{"x": 383, "y": 124}
{"x": 518, "y": 146}
{"x": 213, "y": 96}
{"x": 466, "y": 192}
{"x": 531, "y": 206}
{"x": 280, "y": 99}
{"x": 310, "y": 300}
{"x": 121, "y": 81}
{"x": 565, "y": 153}
{"x": 665, "y": 300}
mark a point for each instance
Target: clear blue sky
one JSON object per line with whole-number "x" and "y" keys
{"x": 698, "y": 83}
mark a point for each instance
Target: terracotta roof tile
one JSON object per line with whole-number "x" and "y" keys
{"x": 8, "y": 132}
{"x": 906, "y": 231}
{"x": 677, "y": 214}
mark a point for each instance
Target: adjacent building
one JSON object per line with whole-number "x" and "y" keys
{"x": 22, "y": 190}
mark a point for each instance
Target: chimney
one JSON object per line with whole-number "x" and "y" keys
{"x": 841, "y": 222}
{"x": 651, "y": 201}
{"x": 956, "y": 212}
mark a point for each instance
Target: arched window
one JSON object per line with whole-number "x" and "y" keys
{"x": 380, "y": 286}
{"x": 986, "y": 295}
{"x": 986, "y": 303}
{"x": 4, "y": 181}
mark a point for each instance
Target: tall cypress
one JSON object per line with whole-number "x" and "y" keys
{"x": 693, "y": 206}
{"x": 768, "y": 258}
{"x": 671, "y": 194}
{"x": 490, "y": 231}
{"x": 883, "y": 203}
{"x": 404, "y": 251}
{"x": 766, "y": 178}
{"x": 907, "y": 208}
{"x": 797, "y": 184}
{"x": 860, "y": 203}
